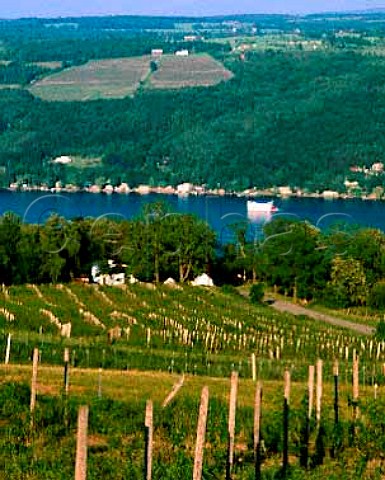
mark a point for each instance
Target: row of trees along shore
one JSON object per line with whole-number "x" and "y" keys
{"x": 341, "y": 266}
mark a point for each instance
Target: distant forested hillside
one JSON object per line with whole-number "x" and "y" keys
{"x": 291, "y": 117}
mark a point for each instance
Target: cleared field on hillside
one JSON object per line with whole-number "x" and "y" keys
{"x": 192, "y": 71}
{"x": 118, "y": 78}
{"x": 111, "y": 78}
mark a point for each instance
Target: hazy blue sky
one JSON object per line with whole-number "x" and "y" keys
{"x": 56, "y": 8}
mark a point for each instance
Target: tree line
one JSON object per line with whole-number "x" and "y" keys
{"x": 153, "y": 247}
{"x": 339, "y": 266}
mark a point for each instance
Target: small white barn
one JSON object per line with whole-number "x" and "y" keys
{"x": 111, "y": 280}
{"x": 203, "y": 281}
{"x": 143, "y": 189}
{"x": 122, "y": 188}
{"x": 184, "y": 188}
{"x": 63, "y": 160}
{"x": 95, "y": 270}
{"x": 330, "y": 194}
{"x": 156, "y": 52}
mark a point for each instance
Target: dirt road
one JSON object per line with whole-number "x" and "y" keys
{"x": 282, "y": 306}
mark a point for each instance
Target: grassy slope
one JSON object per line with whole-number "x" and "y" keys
{"x": 116, "y": 435}
{"x": 189, "y": 329}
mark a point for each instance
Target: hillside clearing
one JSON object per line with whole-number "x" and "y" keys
{"x": 118, "y": 78}
{"x": 192, "y": 71}
{"x": 110, "y": 78}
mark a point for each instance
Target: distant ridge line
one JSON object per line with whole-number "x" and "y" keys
{"x": 371, "y": 11}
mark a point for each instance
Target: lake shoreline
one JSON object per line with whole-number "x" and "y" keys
{"x": 219, "y": 211}
{"x": 200, "y": 191}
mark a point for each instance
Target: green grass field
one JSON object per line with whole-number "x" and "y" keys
{"x": 116, "y": 436}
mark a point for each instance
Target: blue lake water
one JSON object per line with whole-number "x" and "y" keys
{"x": 219, "y": 212}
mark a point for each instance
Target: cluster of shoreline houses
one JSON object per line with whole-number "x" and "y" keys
{"x": 182, "y": 189}
{"x": 352, "y": 187}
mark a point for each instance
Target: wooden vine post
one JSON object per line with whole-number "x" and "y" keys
{"x": 336, "y": 393}
{"x": 310, "y": 391}
{"x": 355, "y": 387}
{"x": 100, "y": 383}
{"x": 286, "y": 401}
{"x": 66, "y": 370}
{"x": 201, "y": 432}
{"x": 336, "y": 442}
{"x": 319, "y": 391}
{"x": 231, "y": 429}
{"x": 253, "y": 367}
{"x": 35, "y": 362}
{"x": 175, "y": 389}
{"x": 8, "y": 349}
{"x": 149, "y": 431}
{"x": 257, "y": 430}
{"x": 81, "y": 444}
{"x": 310, "y": 400}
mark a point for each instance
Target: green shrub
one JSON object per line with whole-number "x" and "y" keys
{"x": 229, "y": 289}
{"x": 14, "y": 399}
{"x": 380, "y": 330}
{"x": 377, "y": 296}
{"x": 256, "y": 293}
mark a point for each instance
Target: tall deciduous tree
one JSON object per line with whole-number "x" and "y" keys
{"x": 347, "y": 285}
{"x": 189, "y": 245}
{"x": 162, "y": 243}
{"x": 59, "y": 244}
{"x": 10, "y": 236}
{"x": 367, "y": 246}
{"x": 292, "y": 258}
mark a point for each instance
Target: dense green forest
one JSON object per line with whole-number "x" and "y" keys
{"x": 287, "y": 117}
